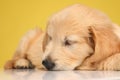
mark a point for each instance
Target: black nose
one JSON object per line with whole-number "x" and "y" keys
{"x": 48, "y": 64}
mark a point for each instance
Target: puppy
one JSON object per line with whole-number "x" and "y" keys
{"x": 29, "y": 52}
{"x": 81, "y": 38}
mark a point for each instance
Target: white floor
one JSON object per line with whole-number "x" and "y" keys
{"x": 59, "y": 75}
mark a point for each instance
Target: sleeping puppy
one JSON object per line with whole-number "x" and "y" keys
{"x": 29, "y": 52}
{"x": 81, "y": 38}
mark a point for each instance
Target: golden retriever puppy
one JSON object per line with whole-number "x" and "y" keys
{"x": 79, "y": 37}
{"x": 29, "y": 51}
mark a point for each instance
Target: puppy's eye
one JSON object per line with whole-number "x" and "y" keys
{"x": 68, "y": 43}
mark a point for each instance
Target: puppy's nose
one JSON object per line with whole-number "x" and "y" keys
{"x": 48, "y": 64}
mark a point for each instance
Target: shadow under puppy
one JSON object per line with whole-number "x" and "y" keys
{"x": 81, "y": 38}
{"x": 29, "y": 52}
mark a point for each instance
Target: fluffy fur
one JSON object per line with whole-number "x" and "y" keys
{"x": 78, "y": 37}
{"x": 29, "y": 51}
{"x": 93, "y": 40}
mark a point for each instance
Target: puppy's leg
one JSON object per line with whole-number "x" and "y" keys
{"x": 111, "y": 63}
{"x": 18, "y": 64}
{"x": 19, "y": 59}
{"x": 23, "y": 63}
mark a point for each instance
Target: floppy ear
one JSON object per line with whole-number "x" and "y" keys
{"x": 106, "y": 43}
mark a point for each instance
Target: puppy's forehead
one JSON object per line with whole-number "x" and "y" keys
{"x": 62, "y": 30}
{"x": 64, "y": 24}
{"x": 75, "y": 19}
{"x": 66, "y": 28}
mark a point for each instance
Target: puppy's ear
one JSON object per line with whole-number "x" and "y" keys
{"x": 91, "y": 39}
{"x": 105, "y": 43}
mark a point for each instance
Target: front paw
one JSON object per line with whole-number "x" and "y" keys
{"x": 23, "y": 64}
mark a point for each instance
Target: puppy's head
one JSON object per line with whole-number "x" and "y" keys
{"x": 69, "y": 39}
{"x": 66, "y": 49}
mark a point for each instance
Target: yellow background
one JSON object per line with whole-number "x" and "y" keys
{"x": 19, "y": 16}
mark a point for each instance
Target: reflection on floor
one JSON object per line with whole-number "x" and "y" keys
{"x": 59, "y": 75}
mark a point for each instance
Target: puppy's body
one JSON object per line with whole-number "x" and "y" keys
{"x": 82, "y": 38}
{"x": 77, "y": 37}
{"x": 29, "y": 51}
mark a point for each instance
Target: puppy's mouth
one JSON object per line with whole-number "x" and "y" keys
{"x": 52, "y": 66}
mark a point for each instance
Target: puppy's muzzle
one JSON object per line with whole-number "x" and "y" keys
{"x": 49, "y": 65}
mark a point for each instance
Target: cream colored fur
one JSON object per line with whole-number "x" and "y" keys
{"x": 77, "y": 37}
{"x": 96, "y": 41}
{"x": 28, "y": 50}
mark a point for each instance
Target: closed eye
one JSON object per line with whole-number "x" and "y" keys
{"x": 69, "y": 43}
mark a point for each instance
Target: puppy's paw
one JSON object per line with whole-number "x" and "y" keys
{"x": 23, "y": 64}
